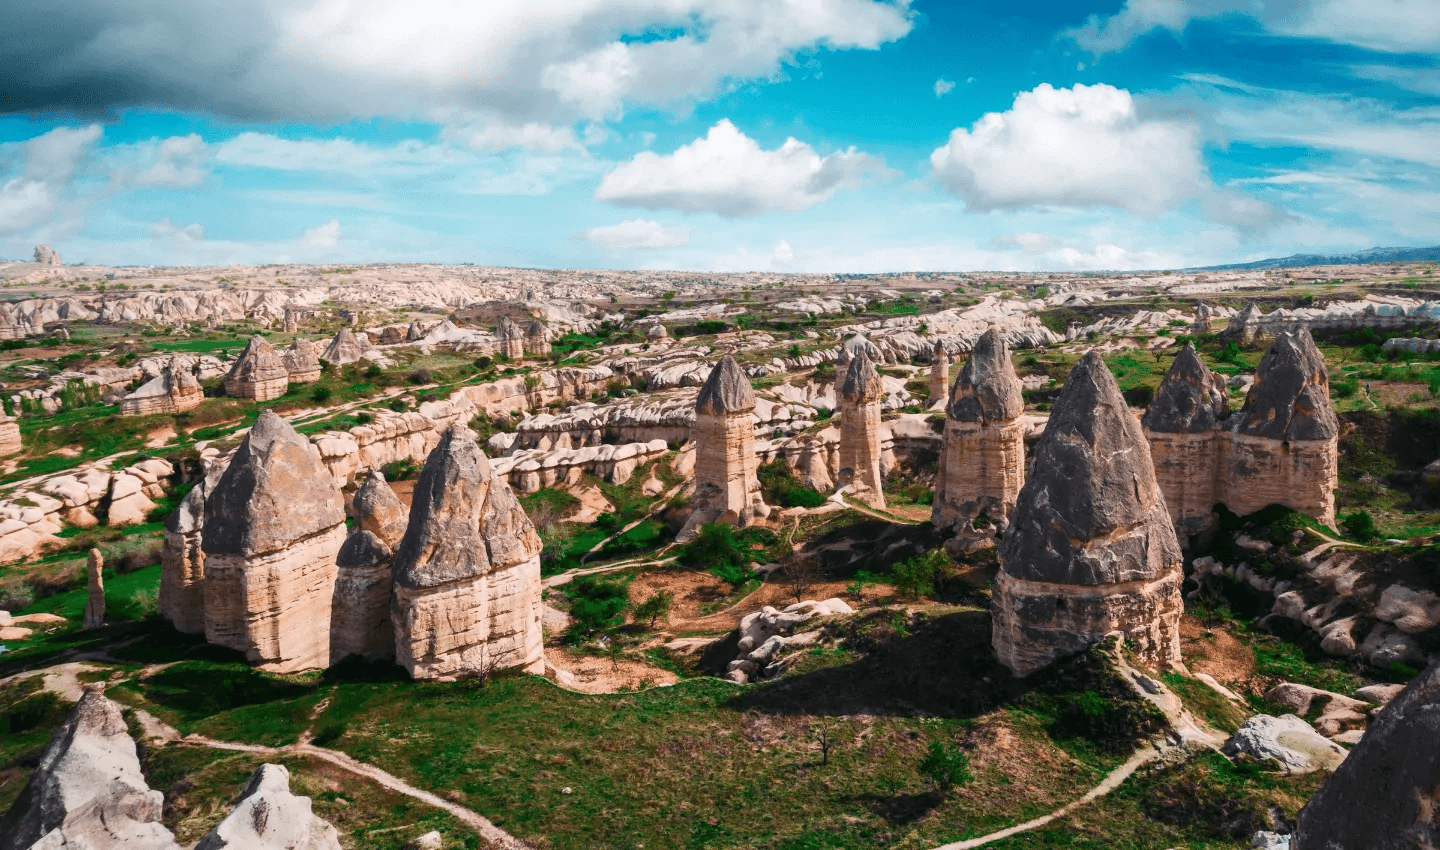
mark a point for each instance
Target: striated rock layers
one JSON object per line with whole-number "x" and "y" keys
{"x": 982, "y": 461}
{"x": 1090, "y": 549}
{"x": 174, "y": 390}
{"x": 9, "y": 436}
{"x": 510, "y": 339}
{"x": 88, "y": 791}
{"x": 1385, "y": 795}
{"x": 182, "y": 561}
{"x": 726, "y": 486}
{"x": 537, "y": 339}
{"x": 467, "y": 573}
{"x": 360, "y": 608}
{"x": 1182, "y": 425}
{"x": 259, "y": 373}
{"x": 302, "y": 362}
{"x": 1280, "y": 448}
{"x": 269, "y": 817}
{"x": 274, "y": 523}
{"x": 860, "y": 431}
{"x": 939, "y": 377}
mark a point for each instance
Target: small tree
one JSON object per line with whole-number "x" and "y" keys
{"x": 801, "y": 574}
{"x": 655, "y": 606}
{"x": 1359, "y": 526}
{"x": 917, "y": 577}
{"x": 945, "y": 766}
{"x": 856, "y": 589}
{"x": 825, "y": 739}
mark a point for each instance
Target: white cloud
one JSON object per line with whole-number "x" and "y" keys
{"x": 494, "y": 136}
{"x": 263, "y": 150}
{"x": 323, "y": 238}
{"x": 782, "y": 255}
{"x": 728, "y": 173}
{"x": 1087, "y": 146}
{"x": 1031, "y": 241}
{"x": 189, "y": 233}
{"x": 1398, "y": 26}
{"x": 25, "y": 203}
{"x": 180, "y": 162}
{"x": 549, "y": 63}
{"x": 54, "y": 156}
{"x": 48, "y": 165}
{"x": 943, "y": 87}
{"x": 639, "y": 233}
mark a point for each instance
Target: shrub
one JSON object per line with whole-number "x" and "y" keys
{"x": 320, "y": 394}
{"x": 655, "y": 607}
{"x": 917, "y": 576}
{"x": 373, "y": 371}
{"x": 1359, "y": 526}
{"x": 945, "y": 766}
{"x": 597, "y": 602}
{"x": 716, "y": 550}
{"x": 781, "y": 487}
{"x": 145, "y": 602}
{"x": 400, "y": 470}
{"x": 420, "y": 376}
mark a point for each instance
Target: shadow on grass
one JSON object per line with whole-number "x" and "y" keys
{"x": 899, "y": 809}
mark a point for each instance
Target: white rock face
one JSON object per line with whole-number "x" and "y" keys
{"x": 269, "y": 817}
{"x": 768, "y": 631}
{"x": 1288, "y": 740}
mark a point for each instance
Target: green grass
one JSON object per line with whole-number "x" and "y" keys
{"x": 120, "y": 593}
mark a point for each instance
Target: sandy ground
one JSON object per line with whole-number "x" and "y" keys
{"x": 595, "y": 675}
{"x": 1216, "y": 652}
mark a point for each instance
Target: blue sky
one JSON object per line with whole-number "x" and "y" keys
{"x": 788, "y": 135}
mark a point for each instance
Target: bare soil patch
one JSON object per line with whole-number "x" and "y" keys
{"x": 405, "y": 490}
{"x": 603, "y": 676}
{"x": 1215, "y": 652}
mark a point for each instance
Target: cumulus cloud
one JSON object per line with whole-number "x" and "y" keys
{"x": 54, "y": 156}
{"x": 729, "y": 173}
{"x": 1086, "y": 146}
{"x": 1399, "y": 26}
{"x": 639, "y": 233}
{"x": 189, "y": 233}
{"x": 943, "y": 87}
{"x": 322, "y": 238}
{"x": 520, "y": 61}
{"x": 47, "y": 166}
{"x": 180, "y": 162}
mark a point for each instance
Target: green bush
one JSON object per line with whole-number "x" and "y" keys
{"x": 655, "y": 607}
{"x": 597, "y": 602}
{"x": 320, "y": 394}
{"x": 1359, "y": 526}
{"x": 917, "y": 577}
{"x": 945, "y": 766}
{"x": 780, "y": 487}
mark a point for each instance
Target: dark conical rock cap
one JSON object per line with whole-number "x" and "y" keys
{"x": 862, "y": 383}
{"x": 378, "y": 510}
{"x": 1188, "y": 400}
{"x": 1382, "y": 795}
{"x": 1090, "y": 512}
{"x": 536, "y": 329}
{"x": 362, "y": 549}
{"x": 1290, "y": 399}
{"x": 987, "y": 388}
{"x": 939, "y": 350}
{"x": 275, "y": 492}
{"x": 443, "y": 542}
{"x": 1250, "y": 313}
{"x": 727, "y": 390}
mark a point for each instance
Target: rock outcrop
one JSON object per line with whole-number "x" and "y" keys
{"x": 1090, "y": 549}
{"x": 88, "y": 791}
{"x": 47, "y": 256}
{"x": 939, "y": 377}
{"x": 360, "y": 609}
{"x": 10, "y": 442}
{"x": 258, "y": 374}
{"x": 345, "y": 348}
{"x": 657, "y": 333}
{"x": 274, "y": 523}
{"x": 982, "y": 462}
{"x": 860, "y": 431}
{"x": 95, "y": 590}
{"x": 510, "y": 339}
{"x": 854, "y": 345}
{"x": 1386, "y": 794}
{"x": 182, "y": 561}
{"x": 269, "y": 817}
{"x": 302, "y": 361}
{"x": 726, "y": 486}
{"x": 175, "y": 390}
{"x": 1183, "y": 426}
{"x": 537, "y": 340}
{"x": 467, "y": 573}
{"x": 1288, "y": 741}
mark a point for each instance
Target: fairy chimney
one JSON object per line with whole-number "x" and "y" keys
{"x": 95, "y": 587}
{"x": 360, "y": 607}
{"x": 1246, "y": 324}
{"x": 302, "y": 361}
{"x": 1090, "y": 549}
{"x": 345, "y": 347}
{"x": 537, "y": 340}
{"x": 274, "y": 523}
{"x": 174, "y": 390}
{"x": 726, "y": 486}
{"x": 467, "y": 572}
{"x": 939, "y": 377}
{"x": 509, "y": 339}
{"x": 182, "y": 561}
{"x": 1182, "y": 426}
{"x": 258, "y": 374}
{"x": 982, "y": 462}
{"x": 860, "y": 431}
{"x": 855, "y": 344}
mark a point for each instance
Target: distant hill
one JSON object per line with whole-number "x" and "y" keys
{"x": 1374, "y": 255}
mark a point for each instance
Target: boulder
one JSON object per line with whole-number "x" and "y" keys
{"x": 1287, "y": 740}
{"x": 269, "y": 817}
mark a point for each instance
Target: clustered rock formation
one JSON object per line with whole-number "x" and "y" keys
{"x": 259, "y": 373}
{"x": 982, "y": 463}
{"x": 302, "y": 361}
{"x": 88, "y": 793}
{"x": 467, "y": 573}
{"x": 175, "y": 390}
{"x": 537, "y": 340}
{"x": 1280, "y": 448}
{"x": 510, "y": 339}
{"x": 258, "y": 559}
{"x": 726, "y": 486}
{"x": 860, "y": 431}
{"x": 1090, "y": 548}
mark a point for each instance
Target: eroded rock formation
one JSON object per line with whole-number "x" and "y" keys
{"x": 467, "y": 573}
{"x": 537, "y": 339}
{"x": 175, "y": 390}
{"x": 274, "y": 523}
{"x": 9, "y": 436}
{"x": 345, "y": 348}
{"x": 360, "y": 610}
{"x": 182, "y": 561}
{"x": 1183, "y": 426}
{"x": 1090, "y": 549}
{"x": 939, "y": 377}
{"x": 510, "y": 339}
{"x": 259, "y": 373}
{"x": 95, "y": 590}
{"x": 302, "y": 361}
{"x": 860, "y": 431}
{"x": 269, "y": 817}
{"x": 726, "y": 486}
{"x": 855, "y": 344}
{"x": 982, "y": 462}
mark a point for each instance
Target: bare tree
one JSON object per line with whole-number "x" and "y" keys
{"x": 825, "y": 739}
{"x": 802, "y": 574}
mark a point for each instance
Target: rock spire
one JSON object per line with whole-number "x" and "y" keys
{"x": 860, "y": 395}
{"x": 939, "y": 377}
{"x": 982, "y": 464}
{"x": 95, "y": 590}
{"x": 726, "y": 486}
{"x": 258, "y": 374}
{"x": 360, "y": 608}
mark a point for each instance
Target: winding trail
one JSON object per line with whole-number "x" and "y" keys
{"x": 660, "y": 503}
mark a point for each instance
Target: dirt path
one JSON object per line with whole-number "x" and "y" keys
{"x": 661, "y": 503}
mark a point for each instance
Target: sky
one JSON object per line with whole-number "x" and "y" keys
{"x": 854, "y": 136}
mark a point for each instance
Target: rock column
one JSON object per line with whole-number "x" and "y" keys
{"x": 860, "y": 431}
{"x": 939, "y": 377}
{"x": 95, "y": 601}
{"x": 726, "y": 486}
{"x": 509, "y": 339}
{"x": 9, "y": 436}
{"x": 1186, "y": 447}
{"x": 467, "y": 573}
{"x": 274, "y": 524}
{"x": 360, "y": 611}
{"x": 851, "y": 347}
{"x": 537, "y": 340}
{"x": 1090, "y": 549}
{"x": 982, "y": 463}
{"x": 258, "y": 374}
{"x": 182, "y": 561}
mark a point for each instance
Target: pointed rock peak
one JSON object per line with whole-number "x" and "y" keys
{"x": 939, "y": 350}
{"x": 379, "y": 511}
{"x": 862, "y": 383}
{"x": 1090, "y": 512}
{"x": 1190, "y": 399}
{"x": 269, "y": 428}
{"x": 856, "y": 345}
{"x": 987, "y": 388}
{"x": 727, "y": 390}
{"x": 535, "y": 329}
{"x": 1290, "y": 399}
{"x": 1250, "y": 313}
{"x": 96, "y": 714}
{"x": 345, "y": 336}
{"x": 257, "y": 345}
{"x": 268, "y": 815}
{"x": 443, "y": 541}
{"x": 507, "y": 328}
